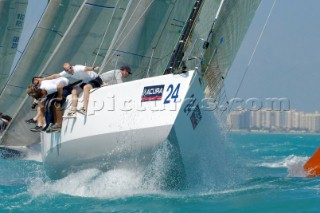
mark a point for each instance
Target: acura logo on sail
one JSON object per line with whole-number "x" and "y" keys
{"x": 152, "y": 93}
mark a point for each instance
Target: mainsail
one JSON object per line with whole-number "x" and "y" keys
{"x": 89, "y": 35}
{"x": 12, "y": 14}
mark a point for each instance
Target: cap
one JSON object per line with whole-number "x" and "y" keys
{"x": 125, "y": 67}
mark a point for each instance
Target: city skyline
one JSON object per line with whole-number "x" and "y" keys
{"x": 274, "y": 121}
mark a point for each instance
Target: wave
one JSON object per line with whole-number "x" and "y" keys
{"x": 117, "y": 183}
{"x": 293, "y": 163}
{"x": 22, "y": 152}
{"x": 33, "y": 153}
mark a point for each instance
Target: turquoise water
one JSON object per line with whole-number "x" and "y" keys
{"x": 266, "y": 175}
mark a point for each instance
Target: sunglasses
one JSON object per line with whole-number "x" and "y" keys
{"x": 70, "y": 68}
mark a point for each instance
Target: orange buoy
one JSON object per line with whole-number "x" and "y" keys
{"x": 312, "y": 166}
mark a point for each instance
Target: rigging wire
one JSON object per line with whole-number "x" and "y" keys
{"x": 254, "y": 51}
{"x": 105, "y": 33}
{"x": 158, "y": 40}
{"x": 109, "y": 56}
{"x": 150, "y": 62}
{"x": 116, "y": 35}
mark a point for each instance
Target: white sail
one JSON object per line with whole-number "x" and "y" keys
{"x": 224, "y": 41}
{"x": 89, "y": 35}
{"x": 194, "y": 51}
{"x": 12, "y": 15}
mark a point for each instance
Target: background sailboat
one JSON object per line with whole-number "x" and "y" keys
{"x": 12, "y": 15}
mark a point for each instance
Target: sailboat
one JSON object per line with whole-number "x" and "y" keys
{"x": 127, "y": 122}
{"x": 179, "y": 59}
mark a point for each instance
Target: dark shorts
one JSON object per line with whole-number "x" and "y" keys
{"x": 95, "y": 83}
{"x": 51, "y": 99}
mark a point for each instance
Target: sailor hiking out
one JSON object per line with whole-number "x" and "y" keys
{"x": 89, "y": 78}
{"x": 51, "y": 94}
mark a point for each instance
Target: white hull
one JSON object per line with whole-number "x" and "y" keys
{"x": 120, "y": 130}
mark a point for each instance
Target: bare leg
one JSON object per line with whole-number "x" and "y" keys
{"x": 74, "y": 96}
{"x": 40, "y": 110}
{"x": 39, "y": 117}
{"x": 58, "y": 114}
{"x": 86, "y": 93}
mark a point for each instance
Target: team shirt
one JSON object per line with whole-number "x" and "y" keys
{"x": 80, "y": 74}
{"x": 112, "y": 77}
{"x": 51, "y": 85}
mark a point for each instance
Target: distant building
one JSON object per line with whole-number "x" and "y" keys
{"x": 279, "y": 121}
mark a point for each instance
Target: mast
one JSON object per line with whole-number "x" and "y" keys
{"x": 178, "y": 53}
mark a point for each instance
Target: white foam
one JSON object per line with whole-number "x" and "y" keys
{"x": 293, "y": 163}
{"x": 33, "y": 153}
{"x": 94, "y": 183}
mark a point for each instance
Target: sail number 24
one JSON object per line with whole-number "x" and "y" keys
{"x": 173, "y": 93}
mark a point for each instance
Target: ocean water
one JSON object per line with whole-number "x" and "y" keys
{"x": 264, "y": 173}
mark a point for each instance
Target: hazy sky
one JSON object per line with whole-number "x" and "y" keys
{"x": 286, "y": 61}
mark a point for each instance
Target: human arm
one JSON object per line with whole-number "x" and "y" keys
{"x": 35, "y": 103}
{"x": 59, "y": 90}
{"x": 54, "y": 76}
{"x": 91, "y": 68}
